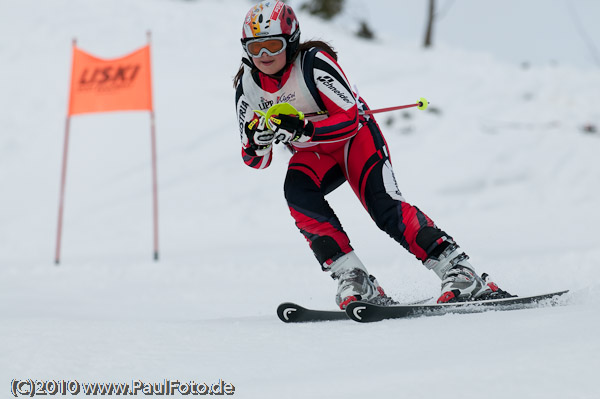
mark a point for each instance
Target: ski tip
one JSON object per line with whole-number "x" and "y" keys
{"x": 358, "y": 311}
{"x": 287, "y": 312}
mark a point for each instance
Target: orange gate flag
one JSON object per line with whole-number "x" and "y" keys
{"x": 103, "y": 85}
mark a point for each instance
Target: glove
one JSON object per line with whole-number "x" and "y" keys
{"x": 290, "y": 128}
{"x": 257, "y": 137}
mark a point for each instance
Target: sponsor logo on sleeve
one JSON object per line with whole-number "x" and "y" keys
{"x": 327, "y": 81}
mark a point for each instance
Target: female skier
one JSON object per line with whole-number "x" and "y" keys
{"x": 343, "y": 145}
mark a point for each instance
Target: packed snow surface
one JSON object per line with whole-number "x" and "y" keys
{"x": 501, "y": 161}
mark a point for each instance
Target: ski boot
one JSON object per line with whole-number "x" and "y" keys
{"x": 355, "y": 283}
{"x": 460, "y": 283}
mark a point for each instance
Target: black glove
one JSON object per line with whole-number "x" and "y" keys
{"x": 291, "y": 128}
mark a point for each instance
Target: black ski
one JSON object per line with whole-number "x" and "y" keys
{"x": 366, "y": 312}
{"x": 291, "y": 313}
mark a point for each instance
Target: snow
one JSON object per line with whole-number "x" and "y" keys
{"x": 503, "y": 165}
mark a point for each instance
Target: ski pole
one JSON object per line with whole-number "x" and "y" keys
{"x": 421, "y": 104}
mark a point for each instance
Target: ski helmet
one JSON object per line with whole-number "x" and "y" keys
{"x": 272, "y": 18}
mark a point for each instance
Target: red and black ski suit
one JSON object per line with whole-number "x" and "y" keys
{"x": 346, "y": 146}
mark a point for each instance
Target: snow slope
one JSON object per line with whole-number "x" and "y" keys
{"x": 499, "y": 161}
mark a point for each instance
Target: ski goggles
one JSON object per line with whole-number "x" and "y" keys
{"x": 270, "y": 45}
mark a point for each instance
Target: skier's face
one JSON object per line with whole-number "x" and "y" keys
{"x": 270, "y": 64}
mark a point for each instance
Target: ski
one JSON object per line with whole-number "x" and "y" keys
{"x": 289, "y": 312}
{"x": 292, "y": 313}
{"x": 364, "y": 312}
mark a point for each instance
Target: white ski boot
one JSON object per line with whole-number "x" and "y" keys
{"x": 459, "y": 281}
{"x": 355, "y": 283}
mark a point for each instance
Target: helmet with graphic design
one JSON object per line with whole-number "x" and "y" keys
{"x": 271, "y": 27}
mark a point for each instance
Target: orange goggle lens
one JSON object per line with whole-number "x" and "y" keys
{"x": 255, "y": 48}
